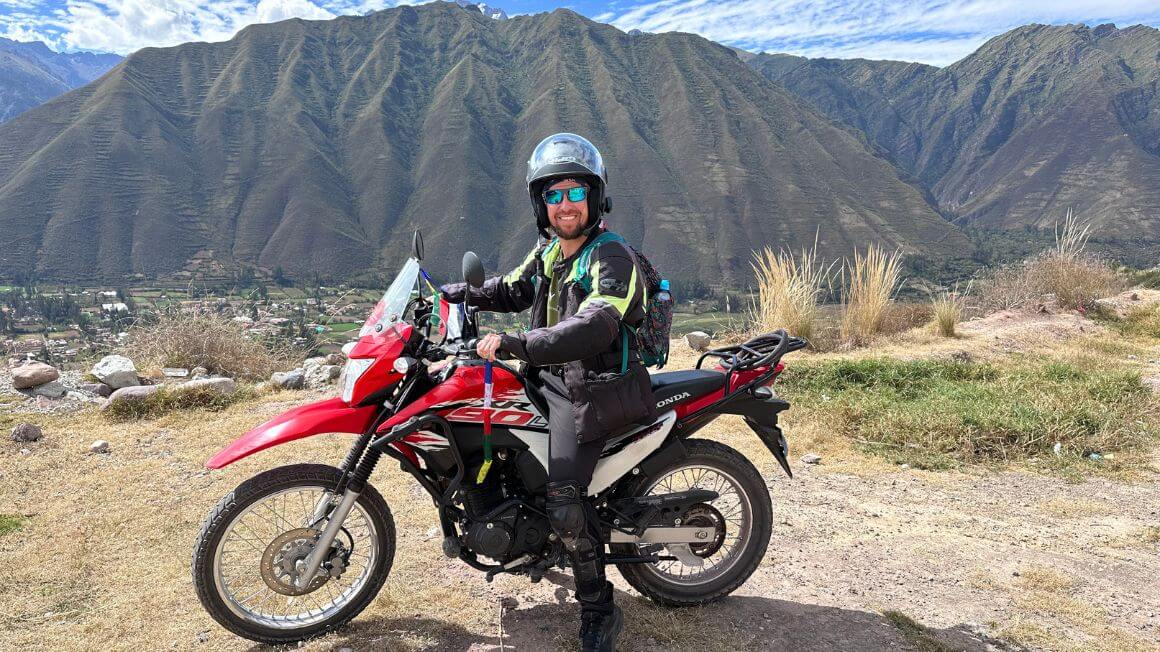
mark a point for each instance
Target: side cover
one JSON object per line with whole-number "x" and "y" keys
{"x": 331, "y": 415}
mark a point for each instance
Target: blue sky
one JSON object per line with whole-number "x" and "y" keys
{"x": 932, "y": 31}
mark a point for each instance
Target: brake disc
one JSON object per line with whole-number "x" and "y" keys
{"x": 281, "y": 559}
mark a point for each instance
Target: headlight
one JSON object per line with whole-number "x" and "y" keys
{"x": 355, "y": 368}
{"x": 403, "y": 365}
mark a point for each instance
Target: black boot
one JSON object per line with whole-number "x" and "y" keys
{"x": 600, "y": 621}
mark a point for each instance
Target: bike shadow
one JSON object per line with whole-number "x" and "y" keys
{"x": 736, "y": 622}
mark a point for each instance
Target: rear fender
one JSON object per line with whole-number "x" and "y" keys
{"x": 331, "y": 415}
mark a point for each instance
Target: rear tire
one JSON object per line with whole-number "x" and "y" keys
{"x": 232, "y": 508}
{"x": 732, "y": 468}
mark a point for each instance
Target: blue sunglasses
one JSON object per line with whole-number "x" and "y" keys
{"x": 575, "y": 195}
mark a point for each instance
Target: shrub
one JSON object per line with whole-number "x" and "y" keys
{"x": 870, "y": 283}
{"x": 1075, "y": 277}
{"x": 901, "y": 317}
{"x": 948, "y": 308}
{"x": 941, "y": 413}
{"x": 166, "y": 400}
{"x": 187, "y": 337}
{"x": 788, "y": 289}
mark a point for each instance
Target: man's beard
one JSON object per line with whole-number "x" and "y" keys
{"x": 570, "y": 232}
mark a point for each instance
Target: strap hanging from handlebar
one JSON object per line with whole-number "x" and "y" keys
{"x": 487, "y": 385}
{"x": 623, "y": 347}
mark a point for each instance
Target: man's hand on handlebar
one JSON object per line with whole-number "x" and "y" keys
{"x": 488, "y": 345}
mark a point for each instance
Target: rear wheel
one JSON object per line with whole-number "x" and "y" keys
{"x": 741, "y": 515}
{"x": 256, "y": 540}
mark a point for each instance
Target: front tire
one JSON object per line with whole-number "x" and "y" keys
{"x": 743, "y": 515}
{"x": 252, "y": 538}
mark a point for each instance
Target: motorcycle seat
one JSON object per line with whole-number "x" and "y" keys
{"x": 670, "y": 385}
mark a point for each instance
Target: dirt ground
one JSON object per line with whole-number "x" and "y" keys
{"x": 986, "y": 559}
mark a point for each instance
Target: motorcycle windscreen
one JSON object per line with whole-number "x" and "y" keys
{"x": 389, "y": 309}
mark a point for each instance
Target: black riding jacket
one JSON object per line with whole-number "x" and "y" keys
{"x": 575, "y": 332}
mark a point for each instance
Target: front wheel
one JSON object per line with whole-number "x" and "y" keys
{"x": 742, "y": 516}
{"x": 254, "y": 542}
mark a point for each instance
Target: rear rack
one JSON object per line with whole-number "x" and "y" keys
{"x": 763, "y": 350}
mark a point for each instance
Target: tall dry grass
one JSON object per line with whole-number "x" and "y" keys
{"x": 948, "y": 308}
{"x": 788, "y": 290}
{"x": 870, "y": 283}
{"x": 1068, "y": 271}
{"x": 188, "y": 337}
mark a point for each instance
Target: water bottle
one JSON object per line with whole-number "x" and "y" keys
{"x": 664, "y": 295}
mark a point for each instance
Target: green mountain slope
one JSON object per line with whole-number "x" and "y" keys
{"x": 319, "y": 146}
{"x": 1038, "y": 120}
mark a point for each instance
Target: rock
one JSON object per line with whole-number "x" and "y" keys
{"x": 33, "y": 374}
{"x": 293, "y": 379}
{"x": 175, "y": 372}
{"x": 811, "y": 458}
{"x": 100, "y": 389}
{"x": 1135, "y": 296}
{"x": 199, "y": 371}
{"x": 46, "y": 402}
{"x": 962, "y": 356}
{"x": 313, "y": 362}
{"x": 224, "y": 386}
{"x": 27, "y": 432}
{"x": 99, "y": 446}
{"x": 698, "y": 340}
{"x": 336, "y": 358}
{"x": 116, "y": 371}
{"x": 135, "y": 393}
{"x": 53, "y": 389}
{"x": 322, "y": 375}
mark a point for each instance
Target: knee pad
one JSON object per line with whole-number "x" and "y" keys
{"x": 569, "y": 522}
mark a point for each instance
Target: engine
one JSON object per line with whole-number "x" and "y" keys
{"x": 500, "y": 527}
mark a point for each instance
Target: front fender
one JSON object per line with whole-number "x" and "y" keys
{"x": 331, "y": 415}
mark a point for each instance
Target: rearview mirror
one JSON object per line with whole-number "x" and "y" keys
{"x": 417, "y": 245}
{"x": 472, "y": 270}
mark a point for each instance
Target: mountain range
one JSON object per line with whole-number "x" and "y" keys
{"x": 318, "y": 146}
{"x": 31, "y": 74}
{"x": 1038, "y": 120}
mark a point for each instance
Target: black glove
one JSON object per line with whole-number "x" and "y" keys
{"x": 454, "y": 292}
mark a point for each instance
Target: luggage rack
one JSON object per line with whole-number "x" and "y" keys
{"x": 763, "y": 350}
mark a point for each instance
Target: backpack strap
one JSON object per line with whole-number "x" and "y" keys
{"x": 580, "y": 273}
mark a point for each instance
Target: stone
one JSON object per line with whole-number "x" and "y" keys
{"x": 26, "y": 432}
{"x": 46, "y": 402}
{"x": 322, "y": 375}
{"x": 53, "y": 389}
{"x": 293, "y": 379}
{"x": 175, "y": 372}
{"x": 116, "y": 371}
{"x": 698, "y": 340}
{"x": 135, "y": 393}
{"x": 224, "y": 386}
{"x": 314, "y": 362}
{"x": 336, "y": 358}
{"x": 32, "y": 374}
{"x": 199, "y": 371}
{"x": 811, "y": 458}
{"x": 100, "y": 389}
{"x": 99, "y": 446}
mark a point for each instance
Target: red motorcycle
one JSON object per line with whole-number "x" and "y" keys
{"x": 299, "y": 550}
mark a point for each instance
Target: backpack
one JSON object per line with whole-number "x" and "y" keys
{"x": 653, "y": 334}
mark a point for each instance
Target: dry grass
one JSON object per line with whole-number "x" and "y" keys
{"x": 188, "y": 337}
{"x": 166, "y": 400}
{"x": 902, "y": 317}
{"x": 1075, "y": 277}
{"x": 948, "y": 308}
{"x": 870, "y": 283}
{"x": 789, "y": 288}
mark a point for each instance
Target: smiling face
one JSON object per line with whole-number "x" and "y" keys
{"x": 567, "y": 218}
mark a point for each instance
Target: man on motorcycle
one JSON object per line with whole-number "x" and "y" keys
{"x": 579, "y": 349}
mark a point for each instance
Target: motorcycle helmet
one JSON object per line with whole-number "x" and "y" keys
{"x": 567, "y": 156}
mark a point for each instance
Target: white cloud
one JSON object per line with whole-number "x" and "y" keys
{"x": 932, "y": 31}
{"x": 271, "y": 11}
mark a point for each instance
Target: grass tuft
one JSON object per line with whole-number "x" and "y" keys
{"x": 870, "y": 283}
{"x": 948, "y": 309}
{"x": 187, "y": 337}
{"x": 943, "y": 413}
{"x": 915, "y": 632}
{"x": 10, "y": 523}
{"x": 166, "y": 400}
{"x": 788, "y": 290}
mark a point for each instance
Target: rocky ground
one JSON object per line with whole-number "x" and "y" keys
{"x": 990, "y": 558}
